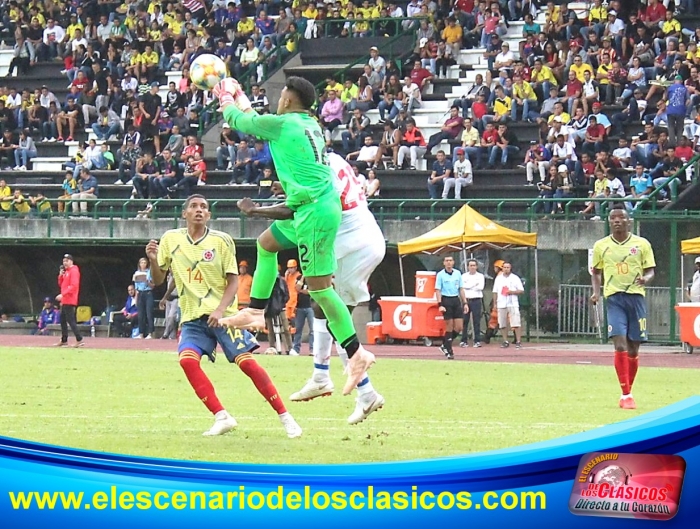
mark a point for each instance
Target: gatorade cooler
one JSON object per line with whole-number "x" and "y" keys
{"x": 689, "y": 314}
{"x": 411, "y": 318}
{"x": 374, "y": 333}
{"x": 425, "y": 285}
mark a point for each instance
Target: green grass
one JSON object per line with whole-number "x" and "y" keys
{"x": 140, "y": 403}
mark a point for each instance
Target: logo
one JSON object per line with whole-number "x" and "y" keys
{"x": 696, "y": 326}
{"x": 634, "y": 250}
{"x": 208, "y": 256}
{"x": 617, "y": 485}
{"x": 402, "y": 318}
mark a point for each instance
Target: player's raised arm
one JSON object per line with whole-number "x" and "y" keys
{"x": 275, "y": 212}
{"x": 265, "y": 126}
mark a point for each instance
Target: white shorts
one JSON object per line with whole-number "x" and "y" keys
{"x": 509, "y": 314}
{"x": 360, "y": 248}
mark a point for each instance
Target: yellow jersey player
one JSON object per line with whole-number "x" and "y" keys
{"x": 203, "y": 265}
{"x": 626, "y": 264}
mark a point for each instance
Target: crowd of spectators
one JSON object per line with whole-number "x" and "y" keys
{"x": 634, "y": 54}
{"x": 634, "y": 59}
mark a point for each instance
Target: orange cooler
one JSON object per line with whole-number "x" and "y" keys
{"x": 411, "y": 318}
{"x": 689, "y": 314}
{"x": 375, "y": 334}
{"x": 425, "y": 285}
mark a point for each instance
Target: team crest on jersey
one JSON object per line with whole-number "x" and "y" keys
{"x": 634, "y": 250}
{"x": 208, "y": 256}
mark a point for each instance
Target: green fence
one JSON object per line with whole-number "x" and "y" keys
{"x": 383, "y": 209}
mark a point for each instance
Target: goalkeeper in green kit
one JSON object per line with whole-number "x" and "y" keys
{"x": 298, "y": 151}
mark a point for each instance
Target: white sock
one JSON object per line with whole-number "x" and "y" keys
{"x": 364, "y": 388}
{"x": 221, "y": 415}
{"x": 282, "y": 416}
{"x": 323, "y": 341}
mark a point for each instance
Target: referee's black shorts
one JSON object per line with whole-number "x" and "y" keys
{"x": 453, "y": 308}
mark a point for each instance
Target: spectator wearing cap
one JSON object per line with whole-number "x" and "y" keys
{"x": 462, "y": 172}
{"x": 69, "y": 283}
{"x": 245, "y": 280}
{"x": 49, "y": 315}
{"x": 615, "y": 28}
{"x": 677, "y": 99}
{"x": 377, "y": 62}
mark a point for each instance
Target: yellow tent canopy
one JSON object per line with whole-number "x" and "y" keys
{"x": 467, "y": 230}
{"x": 691, "y": 246}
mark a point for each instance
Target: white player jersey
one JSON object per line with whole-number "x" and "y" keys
{"x": 358, "y": 227}
{"x": 352, "y": 194}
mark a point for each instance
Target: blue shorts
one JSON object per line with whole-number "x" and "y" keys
{"x": 627, "y": 316}
{"x": 197, "y": 336}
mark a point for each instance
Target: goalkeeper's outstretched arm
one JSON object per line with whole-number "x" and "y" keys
{"x": 266, "y": 126}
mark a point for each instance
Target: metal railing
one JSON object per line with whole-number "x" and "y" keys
{"x": 577, "y": 316}
{"x": 385, "y": 25}
{"x": 383, "y": 209}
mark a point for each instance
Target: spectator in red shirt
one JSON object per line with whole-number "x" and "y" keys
{"x": 69, "y": 283}
{"x": 653, "y": 14}
{"x": 449, "y": 131}
{"x": 420, "y": 76}
{"x": 80, "y": 81}
{"x": 574, "y": 89}
{"x": 479, "y": 110}
{"x": 685, "y": 152}
{"x": 595, "y": 136}
{"x": 488, "y": 140}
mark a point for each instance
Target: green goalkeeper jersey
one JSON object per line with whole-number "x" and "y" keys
{"x": 298, "y": 150}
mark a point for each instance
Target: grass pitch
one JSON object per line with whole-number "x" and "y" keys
{"x": 140, "y": 403}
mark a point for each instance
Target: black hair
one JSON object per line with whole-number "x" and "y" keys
{"x": 189, "y": 199}
{"x": 304, "y": 90}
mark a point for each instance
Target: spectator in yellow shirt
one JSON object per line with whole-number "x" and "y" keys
{"x": 349, "y": 92}
{"x": 524, "y": 98}
{"x": 310, "y": 12}
{"x": 579, "y": 67}
{"x": 244, "y": 28}
{"x": 502, "y": 107}
{"x": 542, "y": 78}
{"x": 671, "y": 30}
{"x": 149, "y": 62}
{"x": 20, "y": 204}
{"x": 5, "y": 196}
{"x": 452, "y": 35}
{"x": 134, "y": 65}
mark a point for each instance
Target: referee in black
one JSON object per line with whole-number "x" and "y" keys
{"x": 447, "y": 284}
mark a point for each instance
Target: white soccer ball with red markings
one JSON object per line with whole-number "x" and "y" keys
{"x": 207, "y": 70}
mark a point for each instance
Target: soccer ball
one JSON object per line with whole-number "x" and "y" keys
{"x": 207, "y": 70}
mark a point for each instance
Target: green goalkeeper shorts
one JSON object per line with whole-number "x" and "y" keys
{"x": 312, "y": 231}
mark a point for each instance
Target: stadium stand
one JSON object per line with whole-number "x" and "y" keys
{"x": 113, "y": 54}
